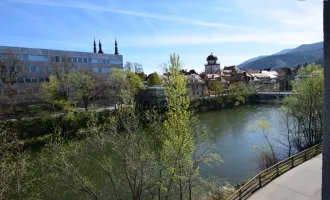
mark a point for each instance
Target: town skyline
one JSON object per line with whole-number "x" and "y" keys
{"x": 148, "y": 32}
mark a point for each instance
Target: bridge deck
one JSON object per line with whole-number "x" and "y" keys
{"x": 300, "y": 183}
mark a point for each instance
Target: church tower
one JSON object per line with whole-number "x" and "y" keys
{"x": 95, "y": 50}
{"x": 116, "y": 48}
{"x": 100, "y": 47}
{"x": 212, "y": 66}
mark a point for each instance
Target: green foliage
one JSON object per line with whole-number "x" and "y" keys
{"x": 238, "y": 92}
{"x": 84, "y": 84}
{"x": 127, "y": 84}
{"x": 53, "y": 95}
{"x": 16, "y": 181}
{"x": 262, "y": 128}
{"x": 178, "y": 144}
{"x": 217, "y": 86}
{"x": 305, "y": 106}
{"x": 154, "y": 80}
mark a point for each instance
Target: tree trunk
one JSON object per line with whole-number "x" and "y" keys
{"x": 326, "y": 135}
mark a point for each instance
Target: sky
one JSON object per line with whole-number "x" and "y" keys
{"x": 148, "y": 31}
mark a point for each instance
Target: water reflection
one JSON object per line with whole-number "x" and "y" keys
{"x": 230, "y": 131}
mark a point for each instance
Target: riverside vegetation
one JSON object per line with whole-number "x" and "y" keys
{"x": 136, "y": 154}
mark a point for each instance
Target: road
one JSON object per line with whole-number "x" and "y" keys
{"x": 300, "y": 183}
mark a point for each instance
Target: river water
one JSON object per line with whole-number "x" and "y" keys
{"x": 235, "y": 142}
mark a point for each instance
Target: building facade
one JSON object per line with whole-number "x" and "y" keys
{"x": 36, "y": 64}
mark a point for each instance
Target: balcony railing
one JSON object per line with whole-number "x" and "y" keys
{"x": 266, "y": 176}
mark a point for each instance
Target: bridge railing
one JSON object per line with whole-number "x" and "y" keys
{"x": 266, "y": 176}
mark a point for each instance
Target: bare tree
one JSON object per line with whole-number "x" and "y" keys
{"x": 134, "y": 67}
{"x": 10, "y": 76}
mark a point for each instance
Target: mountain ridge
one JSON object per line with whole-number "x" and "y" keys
{"x": 287, "y": 58}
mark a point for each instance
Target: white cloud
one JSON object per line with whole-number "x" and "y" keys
{"x": 258, "y": 36}
{"x": 88, "y": 6}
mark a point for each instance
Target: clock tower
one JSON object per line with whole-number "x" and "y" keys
{"x": 212, "y": 66}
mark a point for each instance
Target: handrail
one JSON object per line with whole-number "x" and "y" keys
{"x": 267, "y": 175}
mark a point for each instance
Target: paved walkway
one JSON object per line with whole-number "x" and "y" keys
{"x": 300, "y": 183}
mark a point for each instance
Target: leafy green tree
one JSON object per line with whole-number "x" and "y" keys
{"x": 179, "y": 144}
{"x": 53, "y": 96}
{"x": 84, "y": 85}
{"x": 61, "y": 71}
{"x": 126, "y": 83}
{"x": 238, "y": 92}
{"x": 154, "y": 79}
{"x": 142, "y": 75}
{"x": 305, "y": 106}
{"x": 216, "y": 85}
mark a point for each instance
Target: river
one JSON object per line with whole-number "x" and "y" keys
{"x": 229, "y": 130}
{"x": 235, "y": 142}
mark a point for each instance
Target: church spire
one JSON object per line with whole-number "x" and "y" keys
{"x": 100, "y": 47}
{"x": 95, "y": 46}
{"x": 116, "y": 48}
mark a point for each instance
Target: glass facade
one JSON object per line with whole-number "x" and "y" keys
{"x": 36, "y": 64}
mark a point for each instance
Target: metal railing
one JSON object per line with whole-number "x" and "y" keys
{"x": 266, "y": 176}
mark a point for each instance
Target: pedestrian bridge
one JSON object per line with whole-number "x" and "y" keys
{"x": 271, "y": 95}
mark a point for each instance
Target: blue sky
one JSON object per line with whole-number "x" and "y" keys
{"x": 148, "y": 31}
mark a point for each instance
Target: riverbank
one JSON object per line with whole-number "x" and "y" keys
{"x": 222, "y": 102}
{"x": 36, "y": 132}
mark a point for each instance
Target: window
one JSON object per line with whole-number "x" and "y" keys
{"x": 34, "y": 80}
{"x": 108, "y": 61}
{"x": 52, "y": 58}
{"x": 41, "y": 80}
{"x": 79, "y": 60}
{"x": 97, "y": 69}
{"x": 89, "y": 60}
{"x": 74, "y": 60}
{"x": 94, "y": 60}
{"x": 19, "y": 57}
{"x": 25, "y": 57}
{"x": 57, "y": 59}
{"x": 27, "y": 80}
{"x": 85, "y": 60}
{"x": 45, "y": 58}
{"x": 70, "y": 60}
{"x": 33, "y": 69}
{"x": 104, "y": 61}
{"x": 46, "y": 79}
{"x": 105, "y": 70}
{"x": 35, "y": 58}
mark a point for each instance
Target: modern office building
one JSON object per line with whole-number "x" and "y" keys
{"x": 36, "y": 66}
